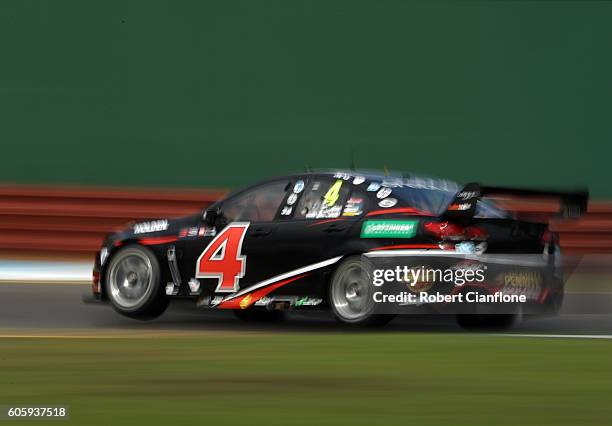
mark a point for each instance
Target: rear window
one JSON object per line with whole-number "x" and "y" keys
{"x": 436, "y": 201}
{"x": 426, "y": 200}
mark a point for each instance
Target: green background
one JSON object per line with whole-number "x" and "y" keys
{"x": 222, "y": 93}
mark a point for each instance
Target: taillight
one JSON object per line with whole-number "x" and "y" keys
{"x": 444, "y": 230}
{"x": 454, "y": 232}
{"x": 475, "y": 233}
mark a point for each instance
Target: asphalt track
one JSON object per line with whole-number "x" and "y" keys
{"x": 53, "y": 309}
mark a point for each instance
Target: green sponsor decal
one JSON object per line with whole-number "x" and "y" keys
{"x": 389, "y": 228}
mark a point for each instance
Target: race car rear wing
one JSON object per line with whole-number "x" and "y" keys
{"x": 573, "y": 203}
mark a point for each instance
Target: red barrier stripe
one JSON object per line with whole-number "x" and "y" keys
{"x": 49, "y": 218}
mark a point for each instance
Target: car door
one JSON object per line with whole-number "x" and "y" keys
{"x": 236, "y": 252}
{"x": 311, "y": 231}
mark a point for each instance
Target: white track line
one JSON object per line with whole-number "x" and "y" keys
{"x": 558, "y": 336}
{"x": 45, "y": 271}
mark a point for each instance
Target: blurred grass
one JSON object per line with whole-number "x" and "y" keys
{"x": 356, "y": 378}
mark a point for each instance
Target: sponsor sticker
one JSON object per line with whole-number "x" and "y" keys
{"x": 358, "y": 180}
{"x": 373, "y": 187}
{"x": 459, "y": 207}
{"x": 307, "y": 301}
{"x": 383, "y": 193}
{"x": 387, "y": 202}
{"x": 468, "y": 195}
{"x": 325, "y": 212}
{"x": 207, "y": 232}
{"x": 333, "y": 193}
{"x": 292, "y": 199}
{"x": 263, "y": 301}
{"x": 298, "y": 187}
{"x": 528, "y": 283}
{"x": 342, "y": 175}
{"x": 353, "y": 207}
{"x": 193, "y": 231}
{"x": 523, "y": 279}
{"x": 286, "y": 211}
{"x": 389, "y": 228}
{"x": 244, "y": 303}
{"x": 153, "y": 226}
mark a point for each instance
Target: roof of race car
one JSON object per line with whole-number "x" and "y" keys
{"x": 390, "y": 178}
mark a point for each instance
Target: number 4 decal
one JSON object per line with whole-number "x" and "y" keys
{"x": 222, "y": 259}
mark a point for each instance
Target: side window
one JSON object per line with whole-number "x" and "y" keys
{"x": 255, "y": 205}
{"x": 322, "y": 199}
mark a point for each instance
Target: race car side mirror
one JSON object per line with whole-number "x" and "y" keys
{"x": 209, "y": 217}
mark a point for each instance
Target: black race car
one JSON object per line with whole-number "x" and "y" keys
{"x": 299, "y": 242}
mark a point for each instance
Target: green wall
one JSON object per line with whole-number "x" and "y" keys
{"x": 221, "y": 93}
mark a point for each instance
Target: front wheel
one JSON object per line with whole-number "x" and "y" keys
{"x": 133, "y": 283}
{"x": 350, "y": 295}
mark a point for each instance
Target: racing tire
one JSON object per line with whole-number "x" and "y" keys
{"x": 350, "y": 296}
{"x": 256, "y": 315}
{"x": 133, "y": 283}
{"x": 492, "y": 322}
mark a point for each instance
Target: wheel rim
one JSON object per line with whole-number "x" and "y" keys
{"x": 351, "y": 293}
{"x": 130, "y": 279}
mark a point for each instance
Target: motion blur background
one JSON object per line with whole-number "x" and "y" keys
{"x": 218, "y": 94}
{"x": 212, "y": 95}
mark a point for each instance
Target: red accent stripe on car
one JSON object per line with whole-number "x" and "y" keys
{"x": 543, "y": 295}
{"x": 248, "y": 299}
{"x": 407, "y": 246}
{"x": 404, "y": 210}
{"x": 157, "y": 240}
{"x": 321, "y": 222}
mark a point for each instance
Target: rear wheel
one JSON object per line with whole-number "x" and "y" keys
{"x": 133, "y": 284}
{"x": 350, "y": 295}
